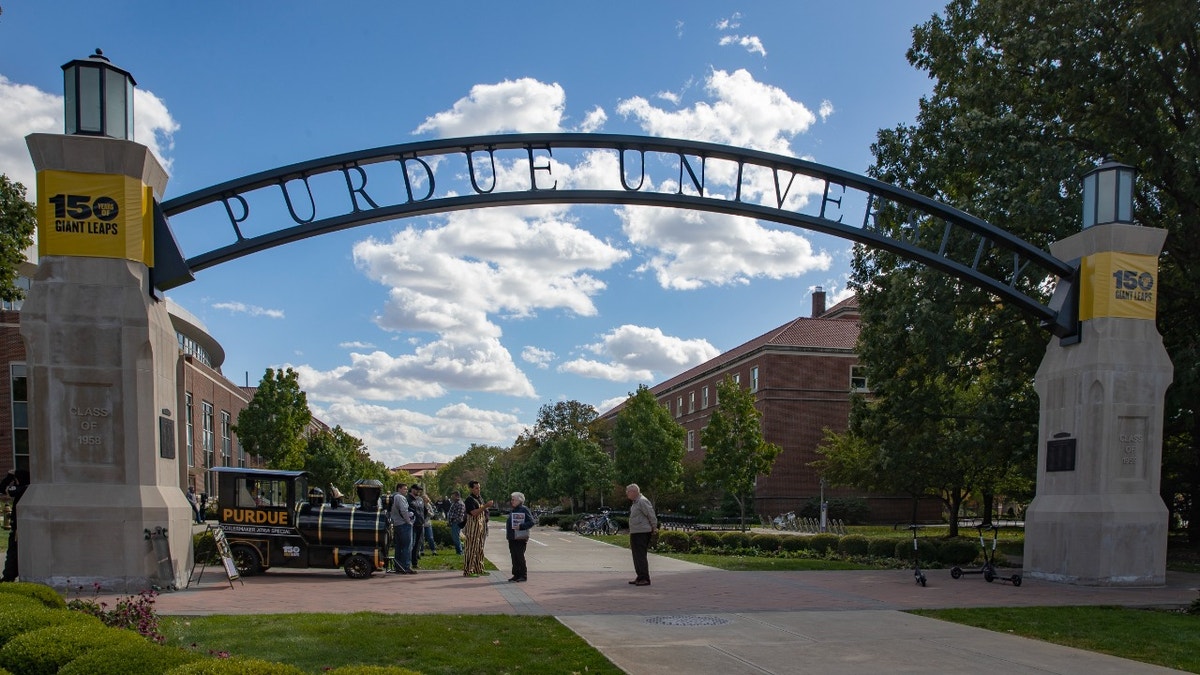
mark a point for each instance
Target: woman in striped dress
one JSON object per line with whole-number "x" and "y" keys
{"x": 476, "y": 531}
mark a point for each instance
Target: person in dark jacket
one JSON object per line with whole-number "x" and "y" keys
{"x": 516, "y": 530}
{"x": 13, "y": 485}
{"x": 416, "y": 504}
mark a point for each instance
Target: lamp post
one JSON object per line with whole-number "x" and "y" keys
{"x": 1108, "y": 194}
{"x": 98, "y": 98}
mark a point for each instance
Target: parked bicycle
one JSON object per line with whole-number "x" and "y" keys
{"x": 785, "y": 521}
{"x": 596, "y": 523}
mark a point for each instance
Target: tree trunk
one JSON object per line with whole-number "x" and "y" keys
{"x": 989, "y": 505}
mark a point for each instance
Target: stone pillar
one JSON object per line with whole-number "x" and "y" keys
{"x": 1098, "y": 519}
{"x": 101, "y": 357}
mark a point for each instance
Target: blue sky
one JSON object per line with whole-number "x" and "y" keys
{"x": 424, "y": 335}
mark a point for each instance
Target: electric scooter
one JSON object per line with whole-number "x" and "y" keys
{"x": 988, "y": 570}
{"x": 918, "y": 575}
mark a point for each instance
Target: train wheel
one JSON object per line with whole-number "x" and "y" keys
{"x": 358, "y": 567}
{"x": 246, "y": 559}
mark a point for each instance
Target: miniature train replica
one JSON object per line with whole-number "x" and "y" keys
{"x": 272, "y": 519}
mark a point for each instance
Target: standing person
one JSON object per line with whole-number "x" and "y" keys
{"x": 477, "y": 520}
{"x": 13, "y": 485}
{"x": 456, "y": 515}
{"x": 403, "y": 529}
{"x": 516, "y": 530}
{"x": 416, "y": 506}
{"x": 194, "y": 502}
{"x": 642, "y": 526}
{"x": 430, "y": 512}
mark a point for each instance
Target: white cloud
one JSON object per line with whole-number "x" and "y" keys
{"x": 669, "y": 96}
{"x": 730, "y": 23}
{"x": 751, "y": 43}
{"x": 610, "y": 403}
{"x": 356, "y": 344}
{"x": 636, "y": 353}
{"x": 25, "y": 109}
{"x": 523, "y": 105}
{"x": 746, "y": 113}
{"x": 594, "y": 120}
{"x": 252, "y": 310}
{"x": 825, "y": 110}
{"x": 695, "y": 249}
{"x": 537, "y": 356}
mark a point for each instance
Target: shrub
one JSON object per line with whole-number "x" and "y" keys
{"x": 621, "y": 521}
{"x": 765, "y": 542}
{"x": 45, "y": 650}
{"x": 927, "y": 550}
{"x": 142, "y": 657}
{"x": 853, "y": 544}
{"x": 882, "y": 547}
{"x": 17, "y": 620}
{"x": 18, "y": 601}
{"x": 205, "y": 548}
{"x": 43, "y": 594}
{"x": 234, "y": 666}
{"x": 134, "y": 612}
{"x": 791, "y": 542}
{"x": 566, "y": 524}
{"x": 824, "y": 543}
{"x": 550, "y": 520}
{"x": 958, "y": 551}
{"x": 674, "y": 540}
{"x": 441, "y": 534}
{"x": 735, "y": 540}
{"x": 706, "y": 539}
{"x": 371, "y": 670}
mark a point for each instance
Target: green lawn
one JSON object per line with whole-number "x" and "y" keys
{"x": 431, "y": 644}
{"x": 1169, "y": 639}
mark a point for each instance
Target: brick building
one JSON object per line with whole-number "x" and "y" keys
{"x": 208, "y": 403}
{"x": 802, "y": 374}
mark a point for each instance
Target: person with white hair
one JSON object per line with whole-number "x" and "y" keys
{"x": 516, "y": 529}
{"x": 642, "y": 526}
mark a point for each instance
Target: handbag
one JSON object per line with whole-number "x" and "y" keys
{"x": 520, "y": 534}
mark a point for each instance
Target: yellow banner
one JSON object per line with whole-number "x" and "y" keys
{"x": 96, "y": 215}
{"x": 1123, "y": 285}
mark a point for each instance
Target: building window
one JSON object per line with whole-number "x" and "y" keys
{"x": 241, "y": 455}
{"x": 15, "y": 305}
{"x": 226, "y": 440}
{"x": 189, "y": 422}
{"x": 189, "y": 346}
{"x": 737, "y": 378}
{"x": 692, "y": 402}
{"x": 19, "y": 386}
{"x": 754, "y": 379}
{"x": 206, "y": 433}
{"x": 679, "y": 407}
{"x": 858, "y": 378}
{"x": 704, "y": 397}
{"x": 691, "y": 440}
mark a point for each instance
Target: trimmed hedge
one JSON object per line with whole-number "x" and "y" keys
{"x": 793, "y": 543}
{"x": 550, "y": 520}
{"x": 824, "y": 543}
{"x": 928, "y": 550}
{"x": 882, "y": 547}
{"x": 765, "y": 542}
{"x": 234, "y": 666}
{"x": 735, "y": 540}
{"x": 43, "y": 594}
{"x": 205, "y": 548}
{"x": 706, "y": 539}
{"x": 143, "y": 657}
{"x": 17, "y": 620}
{"x": 853, "y": 544}
{"x": 674, "y": 540}
{"x": 958, "y": 551}
{"x": 45, "y": 650}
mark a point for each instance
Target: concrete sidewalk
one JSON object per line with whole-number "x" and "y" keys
{"x": 696, "y": 619}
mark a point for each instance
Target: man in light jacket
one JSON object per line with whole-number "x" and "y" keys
{"x": 402, "y": 523}
{"x": 642, "y": 526}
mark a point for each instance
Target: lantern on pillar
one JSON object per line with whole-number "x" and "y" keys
{"x": 1108, "y": 194}
{"x": 98, "y": 98}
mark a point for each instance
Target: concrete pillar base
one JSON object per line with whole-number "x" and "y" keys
{"x": 1097, "y": 540}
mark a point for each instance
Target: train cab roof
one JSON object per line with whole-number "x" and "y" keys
{"x": 262, "y": 473}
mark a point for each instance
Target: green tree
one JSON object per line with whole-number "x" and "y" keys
{"x": 566, "y": 418}
{"x": 18, "y": 219}
{"x": 1027, "y": 97}
{"x": 474, "y": 464}
{"x": 577, "y": 466}
{"x": 336, "y": 457}
{"x": 649, "y": 444}
{"x": 273, "y": 425}
{"x": 736, "y": 453}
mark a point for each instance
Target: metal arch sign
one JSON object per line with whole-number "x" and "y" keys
{"x": 334, "y": 193}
